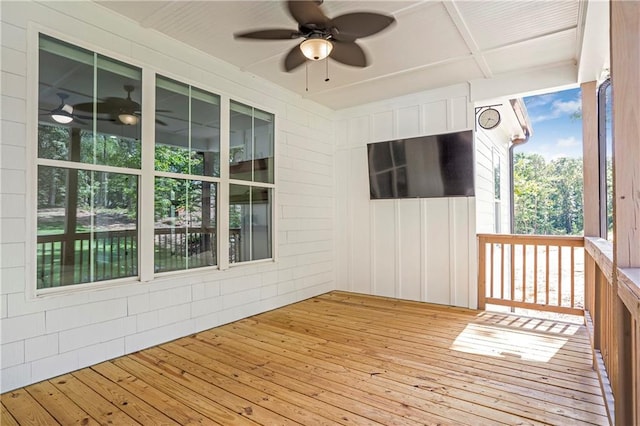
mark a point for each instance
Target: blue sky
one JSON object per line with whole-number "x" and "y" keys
{"x": 555, "y": 133}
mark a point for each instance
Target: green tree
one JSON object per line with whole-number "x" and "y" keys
{"x": 547, "y": 196}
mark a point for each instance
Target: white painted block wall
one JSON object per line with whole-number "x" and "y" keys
{"x": 416, "y": 249}
{"x": 46, "y": 336}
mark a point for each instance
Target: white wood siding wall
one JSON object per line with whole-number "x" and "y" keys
{"x": 486, "y": 142}
{"x": 417, "y": 249}
{"x": 46, "y": 336}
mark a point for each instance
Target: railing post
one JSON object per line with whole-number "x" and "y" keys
{"x": 482, "y": 274}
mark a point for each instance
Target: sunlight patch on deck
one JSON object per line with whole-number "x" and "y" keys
{"x": 497, "y": 342}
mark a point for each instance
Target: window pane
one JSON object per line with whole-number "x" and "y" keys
{"x": 609, "y": 164}
{"x": 185, "y": 224}
{"x": 187, "y": 129}
{"x": 249, "y": 223}
{"x": 241, "y": 142}
{"x": 261, "y": 223}
{"x": 251, "y": 144}
{"x": 263, "y": 149}
{"x": 78, "y": 123}
{"x": 87, "y": 226}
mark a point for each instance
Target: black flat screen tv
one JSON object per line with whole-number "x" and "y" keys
{"x": 422, "y": 167}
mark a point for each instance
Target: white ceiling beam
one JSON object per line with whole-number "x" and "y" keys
{"x": 593, "y": 42}
{"x": 391, "y": 74}
{"x": 536, "y": 80}
{"x": 463, "y": 29}
{"x": 544, "y": 36}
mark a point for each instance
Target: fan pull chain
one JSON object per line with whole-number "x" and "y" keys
{"x": 327, "y": 68}
{"x": 306, "y": 74}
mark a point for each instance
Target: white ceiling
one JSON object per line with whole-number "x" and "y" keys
{"x": 432, "y": 44}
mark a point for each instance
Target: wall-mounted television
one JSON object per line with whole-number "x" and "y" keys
{"x": 422, "y": 167}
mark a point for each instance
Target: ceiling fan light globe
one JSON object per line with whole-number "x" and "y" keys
{"x": 63, "y": 114}
{"x": 61, "y": 117}
{"x": 316, "y": 49}
{"x": 128, "y": 119}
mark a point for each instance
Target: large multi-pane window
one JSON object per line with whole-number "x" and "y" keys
{"x": 251, "y": 170}
{"x": 91, "y": 173}
{"x": 187, "y": 170}
{"x": 88, "y": 166}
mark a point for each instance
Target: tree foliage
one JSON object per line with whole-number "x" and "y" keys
{"x": 547, "y": 195}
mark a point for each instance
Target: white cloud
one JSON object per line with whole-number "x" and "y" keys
{"x": 567, "y": 107}
{"x": 540, "y": 100}
{"x": 559, "y": 108}
{"x": 570, "y": 142}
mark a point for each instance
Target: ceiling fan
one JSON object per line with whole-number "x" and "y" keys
{"x": 63, "y": 113}
{"x": 324, "y": 37}
{"x": 121, "y": 110}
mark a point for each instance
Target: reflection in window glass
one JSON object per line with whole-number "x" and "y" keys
{"x": 249, "y": 223}
{"x": 185, "y": 224}
{"x": 251, "y": 144}
{"x": 104, "y": 121}
{"x": 89, "y": 113}
{"x": 187, "y": 129}
{"x": 87, "y": 226}
{"x": 606, "y": 160}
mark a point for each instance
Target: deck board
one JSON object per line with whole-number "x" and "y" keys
{"x": 339, "y": 358}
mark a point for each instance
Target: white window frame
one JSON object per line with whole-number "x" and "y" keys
{"x": 146, "y": 173}
{"x": 252, "y": 183}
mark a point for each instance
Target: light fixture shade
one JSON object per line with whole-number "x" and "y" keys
{"x": 63, "y": 115}
{"x": 128, "y": 119}
{"x": 316, "y": 49}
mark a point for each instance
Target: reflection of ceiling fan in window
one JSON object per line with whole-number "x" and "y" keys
{"x": 63, "y": 113}
{"x": 121, "y": 110}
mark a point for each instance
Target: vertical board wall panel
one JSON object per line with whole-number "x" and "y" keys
{"x": 472, "y": 246}
{"x": 408, "y": 122}
{"x": 459, "y": 260}
{"x": 409, "y": 250}
{"x": 342, "y": 243}
{"x": 342, "y": 133}
{"x": 383, "y": 126}
{"x": 359, "y": 132}
{"x": 384, "y": 247}
{"x": 416, "y": 249}
{"x": 435, "y": 117}
{"x": 438, "y": 238}
{"x": 458, "y": 113}
{"x": 360, "y": 260}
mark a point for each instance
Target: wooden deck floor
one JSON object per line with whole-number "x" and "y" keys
{"x": 339, "y": 358}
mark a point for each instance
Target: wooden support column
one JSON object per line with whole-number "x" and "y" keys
{"x": 625, "y": 83}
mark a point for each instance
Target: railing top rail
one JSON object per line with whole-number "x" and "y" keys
{"x": 539, "y": 240}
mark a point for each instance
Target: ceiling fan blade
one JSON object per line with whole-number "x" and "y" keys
{"x": 349, "y": 53}
{"x": 101, "y": 107}
{"x": 294, "y": 59}
{"x": 274, "y": 34}
{"x": 160, "y": 122}
{"x": 351, "y": 26}
{"x": 307, "y": 12}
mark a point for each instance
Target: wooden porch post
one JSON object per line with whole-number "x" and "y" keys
{"x": 591, "y": 185}
{"x": 625, "y": 79}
